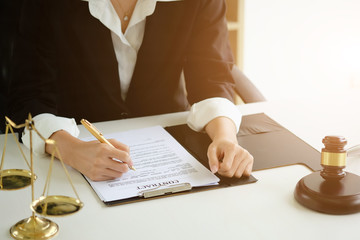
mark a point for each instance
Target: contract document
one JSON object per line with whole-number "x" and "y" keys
{"x": 160, "y": 162}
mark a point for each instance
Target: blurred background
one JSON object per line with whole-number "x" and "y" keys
{"x": 297, "y": 49}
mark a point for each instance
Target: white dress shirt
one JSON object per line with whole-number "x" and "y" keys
{"x": 126, "y": 46}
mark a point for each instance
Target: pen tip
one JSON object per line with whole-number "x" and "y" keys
{"x": 132, "y": 168}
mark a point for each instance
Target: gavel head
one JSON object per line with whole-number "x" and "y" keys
{"x": 333, "y": 157}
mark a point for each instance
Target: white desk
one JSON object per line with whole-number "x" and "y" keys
{"x": 263, "y": 210}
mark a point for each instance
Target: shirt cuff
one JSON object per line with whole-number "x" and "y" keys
{"x": 47, "y": 124}
{"x": 201, "y": 113}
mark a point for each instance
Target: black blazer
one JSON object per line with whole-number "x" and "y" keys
{"x": 65, "y": 62}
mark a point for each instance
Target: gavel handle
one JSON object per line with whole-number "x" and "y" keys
{"x": 353, "y": 151}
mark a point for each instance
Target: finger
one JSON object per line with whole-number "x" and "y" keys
{"x": 249, "y": 167}
{"x": 117, "y": 154}
{"x": 99, "y": 179}
{"x": 100, "y": 173}
{"x": 119, "y": 145}
{"x": 105, "y": 162}
{"x": 213, "y": 159}
{"x": 241, "y": 168}
{"x": 229, "y": 164}
{"x": 117, "y": 166}
{"x": 245, "y": 166}
{"x": 107, "y": 174}
{"x": 123, "y": 147}
{"x": 112, "y": 174}
{"x": 250, "y": 164}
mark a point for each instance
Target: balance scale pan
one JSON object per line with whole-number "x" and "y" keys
{"x": 13, "y": 179}
{"x": 56, "y": 205}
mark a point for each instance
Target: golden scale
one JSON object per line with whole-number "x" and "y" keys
{"x": 36, "y": 227}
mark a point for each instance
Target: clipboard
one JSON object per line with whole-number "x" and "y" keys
{"x": 165, "y": 167}
{"x": 170, "y": 187}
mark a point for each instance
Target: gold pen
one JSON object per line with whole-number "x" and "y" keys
{"x": 96, "y": 133}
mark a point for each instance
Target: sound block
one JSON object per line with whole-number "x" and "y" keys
{"x": 331, "y": 196}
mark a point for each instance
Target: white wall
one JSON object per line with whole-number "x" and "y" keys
{"x": 302, "y": 48}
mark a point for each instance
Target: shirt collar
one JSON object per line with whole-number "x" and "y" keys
{"x": 139, "y": 0}
{"x": 103, "y": 10}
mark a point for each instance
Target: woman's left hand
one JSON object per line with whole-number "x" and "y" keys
{"x": 225, "y": 155}
{"x": 229, "y": 159}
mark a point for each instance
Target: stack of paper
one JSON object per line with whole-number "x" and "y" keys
{"x": 160, "y": 162}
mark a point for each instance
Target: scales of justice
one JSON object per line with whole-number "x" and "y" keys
{"x": 36, "y": 227}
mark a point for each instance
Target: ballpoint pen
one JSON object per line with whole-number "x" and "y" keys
{"x": 96, "y": 133}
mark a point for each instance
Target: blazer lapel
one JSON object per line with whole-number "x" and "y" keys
{"x": 93, "y": 36}
{"x": 160, "y": 33}
{"x": 95, "y": 41}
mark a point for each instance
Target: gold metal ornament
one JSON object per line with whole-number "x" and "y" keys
{"x": 333, "y": 159}
{"x": 13, "y": 179}
{"x": 36, "y": 227}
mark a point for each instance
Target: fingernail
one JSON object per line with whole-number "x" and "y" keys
{"x": 214, "y": 168}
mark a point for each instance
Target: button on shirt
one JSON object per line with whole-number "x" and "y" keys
{"x": 126, "y": 46}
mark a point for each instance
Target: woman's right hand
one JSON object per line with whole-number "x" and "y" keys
{"x": 98, "y": 161}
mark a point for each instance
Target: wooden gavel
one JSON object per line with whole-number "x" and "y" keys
{"x": 331, "y": 190}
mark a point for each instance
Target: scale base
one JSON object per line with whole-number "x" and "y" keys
{"x": 334, "y": 196}
{"x": 34, "y": 228}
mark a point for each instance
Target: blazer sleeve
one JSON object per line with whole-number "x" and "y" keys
{"x": 209, "y": 59}
{"x": 32, "y": 88}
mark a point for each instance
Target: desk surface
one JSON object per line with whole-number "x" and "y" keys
{"x": 264, "y": 210}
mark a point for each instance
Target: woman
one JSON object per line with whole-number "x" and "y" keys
{"x": 111, "y": 59}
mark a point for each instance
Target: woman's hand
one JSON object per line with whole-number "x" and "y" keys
{"x": 97, "y": 161}
{"x": 225, "y": 155}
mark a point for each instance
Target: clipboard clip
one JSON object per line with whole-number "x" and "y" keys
{"x": 161, "y": 190}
